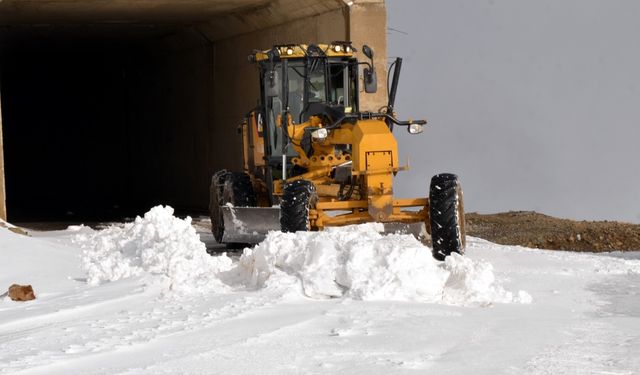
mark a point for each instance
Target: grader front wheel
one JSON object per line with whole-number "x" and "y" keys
{"x": 446, "y": 214}
{"x": 298, "y": 197}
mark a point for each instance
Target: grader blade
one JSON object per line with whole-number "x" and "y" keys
{"x": 249, "y": 224}
{"x": 415, "y": 229}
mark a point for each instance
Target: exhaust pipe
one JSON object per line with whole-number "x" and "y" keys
{"x": 394, "y": 89}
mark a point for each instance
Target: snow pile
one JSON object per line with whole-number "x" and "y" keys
{"x": 359, "y": 262}
{"x": 355, "y": 262}
{"x": 609, "y": 265}
{"x": 158, "y": 244}
{"x": 474, "y": 281}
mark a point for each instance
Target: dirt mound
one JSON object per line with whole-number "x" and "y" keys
{"x": 531, "y": 229}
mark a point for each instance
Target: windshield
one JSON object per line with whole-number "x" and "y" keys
{"x": 296, "y": 89}
{"x": 342, "y": 86}
{"x": 317, "y": 85}
{"x": 275, "y": 106}
{"x": 327, "y": 81}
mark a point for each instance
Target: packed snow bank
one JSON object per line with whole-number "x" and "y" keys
{"x": 355, "y": 262}
{"x": 158, "y": 244}
{"x": 359, "y": 262}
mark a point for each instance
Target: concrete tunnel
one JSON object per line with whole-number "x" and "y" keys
{"x": 109, "y": 107}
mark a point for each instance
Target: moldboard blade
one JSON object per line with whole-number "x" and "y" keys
{"x": 249, "y": 224}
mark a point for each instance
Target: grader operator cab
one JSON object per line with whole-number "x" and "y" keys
{"x": 314, "y": 159}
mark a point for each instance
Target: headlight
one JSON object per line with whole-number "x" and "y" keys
{"x": 319, "y": 134}
{"x": 289, "y": 51}
{"x": 337, "y": 48}
{"x": 415, "y": 129}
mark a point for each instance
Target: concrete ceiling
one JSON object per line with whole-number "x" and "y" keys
{"x": 65, "y": 12}
{"x": 217, "y": 19}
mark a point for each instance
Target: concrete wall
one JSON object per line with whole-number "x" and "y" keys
{"x": 3, "y": 207}
{"x": 368, "y": 25}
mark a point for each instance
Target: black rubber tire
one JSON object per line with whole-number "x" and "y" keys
{"x": 238, "y": 190}
{"x": 228, "y": 187}
{"x": 298, "y": 197}
{"x": 446, "y": 215}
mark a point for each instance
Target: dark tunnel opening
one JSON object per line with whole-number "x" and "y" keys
{"x": 102, "y": 128}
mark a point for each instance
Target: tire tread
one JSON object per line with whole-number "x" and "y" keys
{"x": 445, "y": 201}
{"x": 297, "y": 198}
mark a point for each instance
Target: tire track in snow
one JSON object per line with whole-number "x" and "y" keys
{"x": 27, "y": 325}
{"x": 310, "y": 337}
{"x": 116, "y": 329}
{"x": 592, "y": 348}
{"x": 605, "y": 341}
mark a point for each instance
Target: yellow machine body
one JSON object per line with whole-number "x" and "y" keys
{"x": 314, "y": 159}
{"x": 374, "y": 163}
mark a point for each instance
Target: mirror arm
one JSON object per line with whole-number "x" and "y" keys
{"x": 394, "y": 88}
{"x": 365, "y": 63}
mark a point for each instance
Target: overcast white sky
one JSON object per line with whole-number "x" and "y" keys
{"x": 535, "y": 104}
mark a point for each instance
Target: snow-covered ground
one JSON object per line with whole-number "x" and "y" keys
{"x": 146, "y": 298}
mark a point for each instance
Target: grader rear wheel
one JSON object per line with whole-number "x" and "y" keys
{"x": 446, "y": 214}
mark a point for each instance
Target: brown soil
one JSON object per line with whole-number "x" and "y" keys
{"x": 535, "y": 230}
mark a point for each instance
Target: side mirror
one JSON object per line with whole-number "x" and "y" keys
{"x": 367, "y": 51}
{"x": 370, "y": 78}
{"x": 272, "y": 83}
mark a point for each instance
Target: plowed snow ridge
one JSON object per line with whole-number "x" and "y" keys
{"x": 355, "y": 262}
{"x": 158, "y": 244}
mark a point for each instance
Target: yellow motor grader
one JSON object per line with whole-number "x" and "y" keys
{"x": 314, "y": 159}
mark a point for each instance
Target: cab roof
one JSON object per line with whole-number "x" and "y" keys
{"x": 296, "y": 51}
